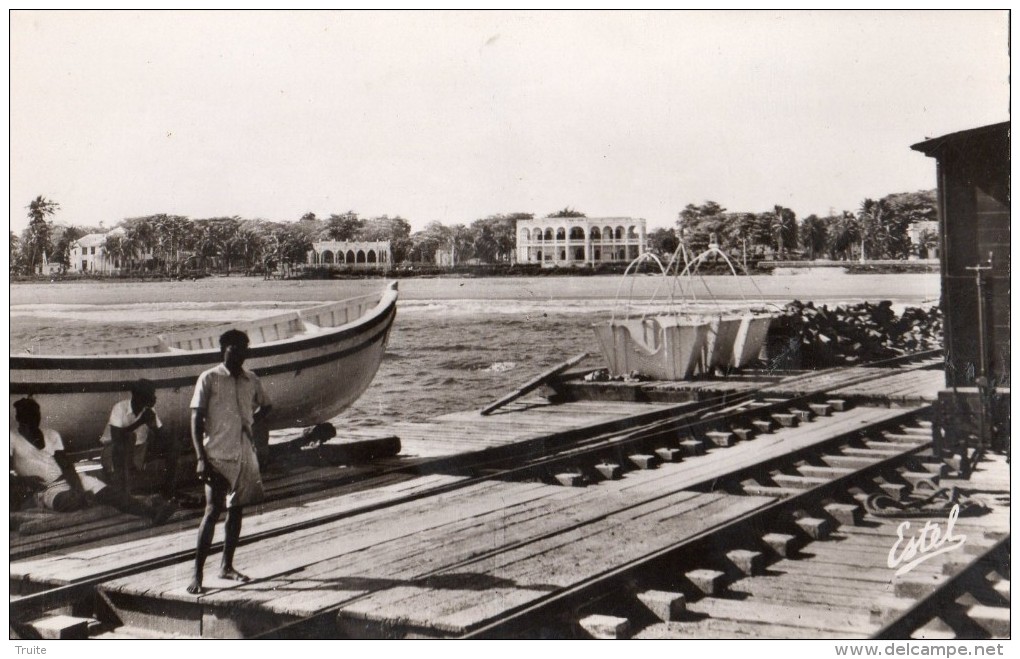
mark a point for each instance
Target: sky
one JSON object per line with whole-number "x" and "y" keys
{"x": 454, "y": 116}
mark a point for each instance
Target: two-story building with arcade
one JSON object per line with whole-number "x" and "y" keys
{"x": 580, "y": 241}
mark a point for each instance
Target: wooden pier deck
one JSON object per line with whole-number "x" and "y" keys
{"x": 909, "y": 385}
{"x": 447, "y": 564}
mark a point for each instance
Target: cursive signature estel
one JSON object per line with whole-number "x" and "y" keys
{"x": 930, "y": 541}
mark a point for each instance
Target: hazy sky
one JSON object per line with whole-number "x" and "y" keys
{"x": 455, "y": 116}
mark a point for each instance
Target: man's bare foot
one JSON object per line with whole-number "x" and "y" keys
{"x": 231, "y": 574}
{"x": 196, "y": 587}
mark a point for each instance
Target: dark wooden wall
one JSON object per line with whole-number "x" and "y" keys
{"x": 974, "y": 222}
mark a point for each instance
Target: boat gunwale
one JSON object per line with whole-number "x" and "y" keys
{"x": 378, "y": 314}
{"x": 106, "y": 386}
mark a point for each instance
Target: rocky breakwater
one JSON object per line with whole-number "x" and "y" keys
{"x": 809, "y": 336}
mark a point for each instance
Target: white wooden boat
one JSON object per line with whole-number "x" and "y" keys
{"x": 313, "y": 364}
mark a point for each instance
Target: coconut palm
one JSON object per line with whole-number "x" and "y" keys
{"x": 871, "y": 219}
{"x": 783, "y": 228}
{"x": 113, "y": 250}
{"x": 814, "y": 235}
{"x": 39, "y": 210}
{"x": 141, "y": 236}
{"x": 844, "y": 233}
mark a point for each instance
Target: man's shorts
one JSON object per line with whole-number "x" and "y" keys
{"x": 47, "y": 498}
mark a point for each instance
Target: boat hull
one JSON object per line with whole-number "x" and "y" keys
{"x": 310, "y": 378}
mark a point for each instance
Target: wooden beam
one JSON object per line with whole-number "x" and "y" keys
{"x": 533, "y": 384}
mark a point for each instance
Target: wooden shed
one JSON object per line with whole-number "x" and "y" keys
{"x": 973, "y": 199}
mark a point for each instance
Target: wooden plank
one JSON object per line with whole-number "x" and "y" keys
{"x": 533, "y": 384}
{"x": 712, "y": 628}
{"x": 795, "y": 616}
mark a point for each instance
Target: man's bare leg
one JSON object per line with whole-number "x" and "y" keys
{"x": 232, "y": 534}
{"x": 213, "y": 508}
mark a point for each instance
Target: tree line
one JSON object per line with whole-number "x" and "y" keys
{"x": 173, "y": 244}
{"x": 876, "y": 230}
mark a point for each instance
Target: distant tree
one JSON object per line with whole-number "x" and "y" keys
{"x": 344, "y": 226}
{"x": 844, "y": 234}
{"x": 872, "y": 218}
{"x": 16, "y": 263}
{"x": 484, "y": 243}
{"x": 40, "y": 210}
{"x": 500, "y": 240}
{"x": 141, "y": 232}
{"x": 696, "y": 224}
{"x": 663, "y": 242}
{"x": 174, "y": 236}
{"x": 814, "y": 235}
{"x": 784, "y": 228}
{"x": 61, "y": 239}
{"x": 286, "y": 245}
{"x": 428, "y": 241}
{"x": 217, "y": 238}
{"x": 567, "y": 211}
{"x": 927, "y": 243}
{"x": 905, "y": 209}
{"x": 249, "y": 243}
{"x": 736, "y": 233}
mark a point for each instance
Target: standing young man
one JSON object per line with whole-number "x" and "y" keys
{"x": 228, "y": 402}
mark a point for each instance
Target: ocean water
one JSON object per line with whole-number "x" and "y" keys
{"x": 454, "y": 345}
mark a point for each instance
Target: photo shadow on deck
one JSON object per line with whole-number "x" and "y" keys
{"x": 470, "y": 581}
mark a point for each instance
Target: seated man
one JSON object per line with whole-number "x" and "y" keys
{"x": 132, "y": 442}
{"x": 37, "y": 454}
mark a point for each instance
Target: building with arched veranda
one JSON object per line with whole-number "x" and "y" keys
{"x": 580, "y": 241}
{"x": 361, "y": 255}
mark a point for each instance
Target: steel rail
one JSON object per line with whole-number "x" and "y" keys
{"x": 584, "y": 589}
{"x": 527, "y": 615}
{"x": 661, "y": 421}
{"x": 928, "y": 606}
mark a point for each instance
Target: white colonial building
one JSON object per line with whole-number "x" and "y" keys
{"x": 579, "y": 241}
{"x": 358, "y": 254}
{"x": 87, "y": 254}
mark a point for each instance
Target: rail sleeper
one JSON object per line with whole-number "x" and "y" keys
{"x": 605, "y": 627}
{"x": 664, "y": 605}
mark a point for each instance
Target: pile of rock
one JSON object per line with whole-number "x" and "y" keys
{"x": 858, "y": 333}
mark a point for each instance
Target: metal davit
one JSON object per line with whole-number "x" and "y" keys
{"x": 689, "y": 338}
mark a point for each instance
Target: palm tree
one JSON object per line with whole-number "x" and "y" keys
{"x": 39, "y": 209}
{"x": 15, "y": 254}
{"x": 248, "y": 244}
{"x": 113, "y": 249}
{"x": 784, "y": 228}
{"x": 814, "y": 234}
{"x": 928, "y": 243}
{"x": 844, "y": 234}
{"x": 141, "y": 235}
{"x": 871, "y": 218}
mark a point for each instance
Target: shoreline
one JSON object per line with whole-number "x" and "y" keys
{"x": 817, "y": 287}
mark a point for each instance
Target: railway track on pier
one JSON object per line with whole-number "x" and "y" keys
{"x": 583, "y": 459}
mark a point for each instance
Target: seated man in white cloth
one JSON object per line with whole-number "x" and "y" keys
{"x": 133, "y": 442}
{"x": 37, "y": 454}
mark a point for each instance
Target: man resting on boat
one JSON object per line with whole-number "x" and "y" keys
{"x": 37, "y": 455}
{"x": 134, "y": 444}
